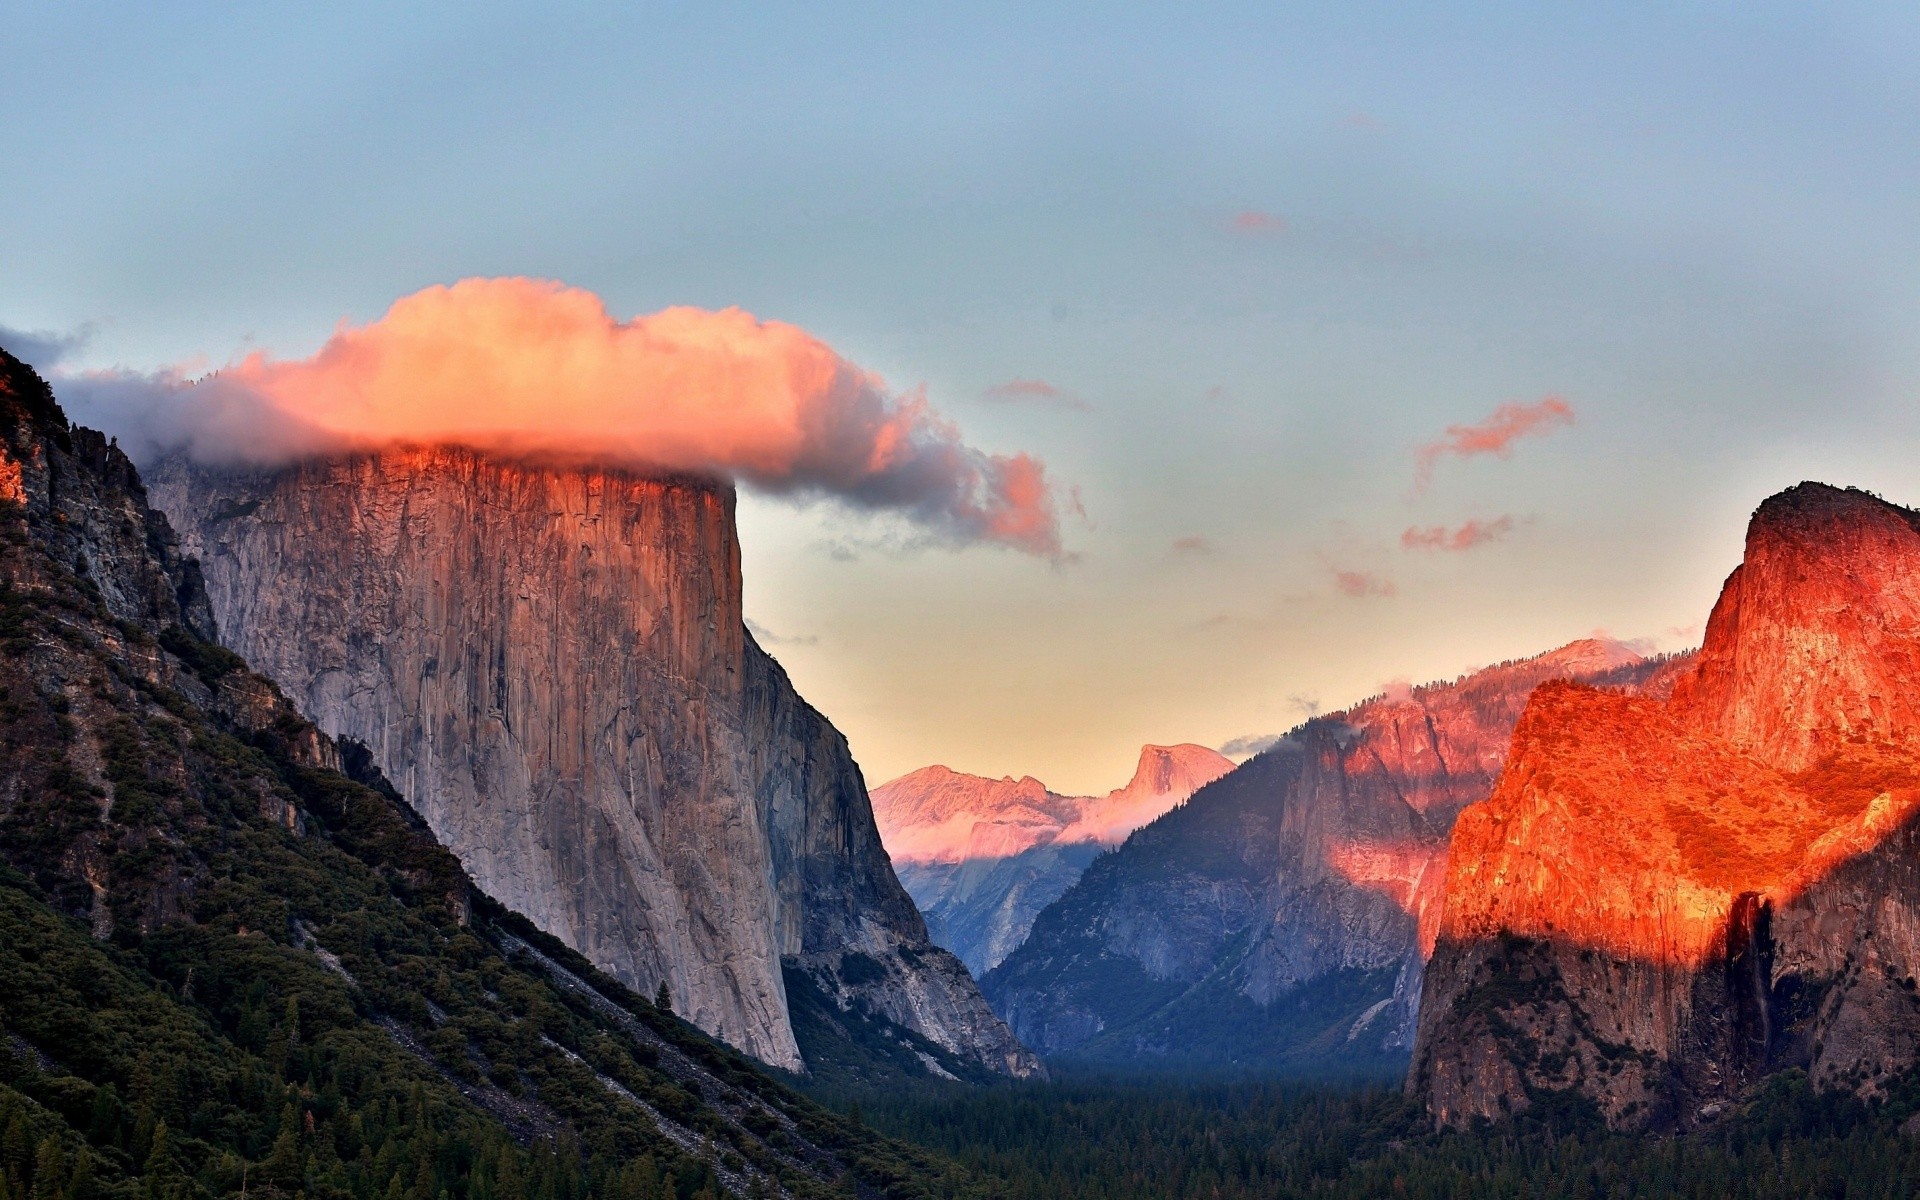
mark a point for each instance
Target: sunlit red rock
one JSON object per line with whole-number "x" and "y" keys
{"x": 1665, "y": 899}
{"x": 1317, "y": 864}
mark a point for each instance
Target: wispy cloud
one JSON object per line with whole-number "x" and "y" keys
{"x": 1193, "y": 543}
{"x": 1248, "y": 745}
{"x": 1364, "y": 121}
{"x": 1496, "y": 435}
{"x": 1037, "y": 392}
{"x": 42, "y": 349}
{"x": 1363, "y": 583}
{"x": 1255, "y": 223}
{"x": 767, "y": 637}
{"x": 1466, "y": 537}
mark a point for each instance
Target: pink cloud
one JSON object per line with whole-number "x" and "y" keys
{"x": 1036, "y": 391}
{"x": 1363, "y": 583}
{"x": 1361, "y": 120}
{"x": 1495, "y": 435}
{"x": 1255, "y": 223}
{"x": 533, "y": 368}
{"x": 1193, "y": 543}
{"x": 1466, "y": 537}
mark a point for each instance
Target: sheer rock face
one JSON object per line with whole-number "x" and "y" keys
{"x": 1664, "y": 900}
{"x": 982, "y": 857}
{"x": 1317, "y": 862}
{"x": 553, "y": 664}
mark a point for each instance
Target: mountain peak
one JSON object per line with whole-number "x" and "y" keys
{"x": 1816, "y": 632}
{"x": 1182, "y": 767}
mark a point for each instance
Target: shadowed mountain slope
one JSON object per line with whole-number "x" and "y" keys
{"x": 1278, "y": 918}
{"x": 226, "y": 965}
{"x": 981, "y": 857}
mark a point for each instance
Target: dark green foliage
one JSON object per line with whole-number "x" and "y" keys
{"x": 209, "y": 661}
{"x": 1092, "y": 1139}
{"x": 1303, "y": 1034}
{"x": 226, "y": 968}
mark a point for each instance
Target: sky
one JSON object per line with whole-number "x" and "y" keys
{"x": 1263, "y": 288}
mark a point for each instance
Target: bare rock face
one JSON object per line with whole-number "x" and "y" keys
{"x": 1280, "y": 917}
{"x": 553, "y": 664}
{"x": 1665, "y": 899}
{"x": 982, "y": 857}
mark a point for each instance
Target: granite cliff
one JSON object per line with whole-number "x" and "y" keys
{"x": 1279, "y": 917}
{"x": 552, "y": 662}
{"x": 982, "y": 857}
{"x": 1666, "y": 899}
{"x": 288, "y": 980}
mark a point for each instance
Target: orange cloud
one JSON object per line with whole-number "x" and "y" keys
{"x": 1036, "y": 391}
{"x": 1253, "y": 221}
{"x": 1495, "y": 435}
{"x": 1469, "y": 535}
{"x": 1363, "y": 583}
{"x": 533, "y": 368}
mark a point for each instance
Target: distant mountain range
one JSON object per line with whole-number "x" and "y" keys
{"x": 1278, "y": 919}
{"x": 982, "y": 857}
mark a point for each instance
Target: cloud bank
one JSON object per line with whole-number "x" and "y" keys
{"x": 1473, "y": 533}
{"x": 533, "y": 368}
{"x": 1495, "y": 435}
{"x": 41, "y": 350}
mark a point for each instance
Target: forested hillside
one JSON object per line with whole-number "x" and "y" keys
{"x": 226, "y": 967}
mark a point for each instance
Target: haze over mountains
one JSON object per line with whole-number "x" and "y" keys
{"x": 982, "y": 857}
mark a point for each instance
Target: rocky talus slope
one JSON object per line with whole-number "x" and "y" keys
{"x": 1279, "y": 917}
{"x": 982, "y": 857}
{"x": 1665, "y": 900}
{"x": 226, "y": 966}
{"x": 552, "y": 662}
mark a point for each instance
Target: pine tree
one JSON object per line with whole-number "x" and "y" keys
{"x": 49, "y": 1171}
{"x": 663, "y": 999}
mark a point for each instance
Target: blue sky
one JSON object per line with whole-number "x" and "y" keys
{"x": 1697, "y": 223}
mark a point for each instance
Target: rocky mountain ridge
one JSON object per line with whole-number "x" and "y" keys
{"x": 226, "y": 965}
{"x": 552, "y": 662}
{"x": 1666, "y": 899}
{"x": 981, "y": 857}
{"x": 1280, "y": 916}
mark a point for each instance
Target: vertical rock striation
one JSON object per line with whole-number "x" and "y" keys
{"x": 552, "y": 662}
{"x": 1665, "y": 899}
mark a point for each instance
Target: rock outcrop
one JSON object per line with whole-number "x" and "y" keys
{"x": 201, "y": 912}
{"x": 1666, "y": 899}
{"x": 982, "y": 857}
{"x": 552, "y": 662}
{"x": 1279, "y": 917}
